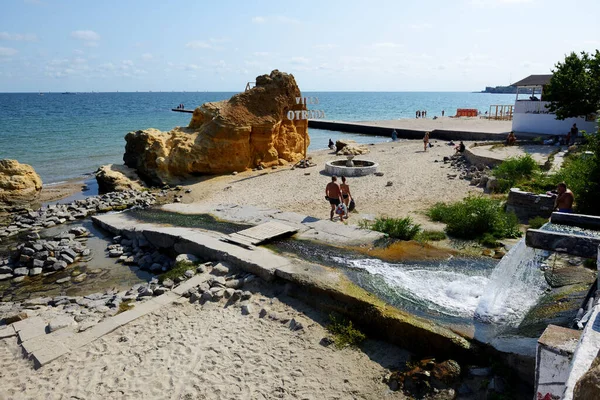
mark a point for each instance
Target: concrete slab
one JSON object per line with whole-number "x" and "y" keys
{"x": 31, "y": 327}
{"x": 184, "y": 287}
{"x": 7, "y": 332}
{"x": 582, "y": 246}
{"x": 46, "y": 355}
{"x": 267, "y": 231}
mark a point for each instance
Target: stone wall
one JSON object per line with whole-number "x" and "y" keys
{"x": 528, "y": 205}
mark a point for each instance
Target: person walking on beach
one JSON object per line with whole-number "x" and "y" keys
{"x": 394, "y": 137}
{"x": 333, "y": 193}
{"x": 346, "y": 196}
{"x": 565, "y": 199}
{"x": 425, "y": 141}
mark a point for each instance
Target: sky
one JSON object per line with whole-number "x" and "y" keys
{"x": 155, "y": 45}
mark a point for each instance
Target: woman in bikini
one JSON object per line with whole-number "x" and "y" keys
{"x": 425, "y": 141}
{"x": 346, "y": 196}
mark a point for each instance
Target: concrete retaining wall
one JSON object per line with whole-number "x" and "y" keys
{"x": 564, "y": 243}
{"x": 580, "y": 220}
{"x": 528, "y": 205}
{"x": 476, "y": 159}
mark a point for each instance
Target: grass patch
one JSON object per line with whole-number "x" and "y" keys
{"x": 537, "y": 222}
{"x": 344, "y": 334}
{"x": 474, "y": 217}
{"x": 398, "y": 228}
{"x": 178, "y": 270}
{"x": 430, "y": 236}
{"x": 125, "y": 306}
{"x": 488, "y": 240}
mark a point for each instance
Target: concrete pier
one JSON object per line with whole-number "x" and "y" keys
{"x": 441, "y": 128}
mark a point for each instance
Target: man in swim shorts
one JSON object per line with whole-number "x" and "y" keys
{"x": 333, "y": 193}
{"x": 565, "y": 199}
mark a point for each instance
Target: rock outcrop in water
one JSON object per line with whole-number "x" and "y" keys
{"x": 117, "y": 178}
{"x": 249, "y": 130}
{"x": 20, "y": 185}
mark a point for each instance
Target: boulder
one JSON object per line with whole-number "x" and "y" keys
{"x": 588, "y": 386}
{"x": 20, "y": 185}
{"x": 117, "y": 178}
{"x": 249, "y": 130}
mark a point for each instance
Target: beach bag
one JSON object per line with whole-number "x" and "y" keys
{"x": 352, "y": 205}
{"x": 341, "y": 209}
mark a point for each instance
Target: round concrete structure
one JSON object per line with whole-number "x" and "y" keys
{"x": 360, "y": 168}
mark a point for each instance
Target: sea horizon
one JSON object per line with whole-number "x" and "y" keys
{"x": 68, "y": 136}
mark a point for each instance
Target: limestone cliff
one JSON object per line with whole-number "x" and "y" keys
{"x": 19, "y": 185}
{"x": 246, "y": 131}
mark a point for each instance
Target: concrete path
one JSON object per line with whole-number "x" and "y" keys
{"x": 335, "y": 233}
{"x": 44, "y": 348}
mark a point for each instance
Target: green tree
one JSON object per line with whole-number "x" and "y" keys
{"x": 574, "y": 89}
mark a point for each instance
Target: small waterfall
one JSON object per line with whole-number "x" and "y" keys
{"x": 440, "y": 289}
{"x": 514, "y": 287}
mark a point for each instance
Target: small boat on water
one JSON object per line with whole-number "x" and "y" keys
{"x": 69, "y": 93}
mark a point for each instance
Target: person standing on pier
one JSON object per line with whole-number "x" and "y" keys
{"x": 442, "y": 113}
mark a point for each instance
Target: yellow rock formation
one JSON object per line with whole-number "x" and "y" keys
{"x": 248, "y": 130}
{"x": 19, "y": 184}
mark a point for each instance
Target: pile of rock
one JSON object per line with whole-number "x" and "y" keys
{"x": 427, "y": 379}
{"x": 38, "y": 256}
{"x": 225, "y": 283}
{"x": 60, "y": 213}
{"x": 349, "y": 148}
{"x": 138, "y": 251}
{"x": 478, "y": 175}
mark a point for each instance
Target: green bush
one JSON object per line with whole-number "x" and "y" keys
{"x": 398, "y": 228}
{"x": 344, "y": 333}
{"x": 581, "y": 173}
{"x": 430, "y": 236}
{"x": 488, "y": 240}
{"x": 473, "y": 217}
{"x": 537, "y": 222}
{"x": 514, "y": 169}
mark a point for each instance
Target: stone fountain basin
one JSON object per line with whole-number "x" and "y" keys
{"x": 360, "y": 168}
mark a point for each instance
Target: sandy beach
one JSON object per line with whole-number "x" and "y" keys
{"x": 417, "y": 182}
{"x": 210, "y": 351}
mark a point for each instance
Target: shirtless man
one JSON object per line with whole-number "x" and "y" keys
{"x": 333, "y": 193}
{"x": 565, "y": 199}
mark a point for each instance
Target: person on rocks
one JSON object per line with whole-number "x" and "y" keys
{"x": 460, "y": 148}
{"x": 331, "y": 145}
{"x": 333, "y": 193}
{"x": 346, "y": 195}
{"x": 565, "y": 199}
{"x": 425, "y": 141}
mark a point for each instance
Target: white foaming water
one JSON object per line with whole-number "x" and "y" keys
{"x": 446, "y": 292}
{"x": 515, "y": 286}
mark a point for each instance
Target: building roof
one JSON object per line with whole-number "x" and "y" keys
{"x": 534, "y": 80}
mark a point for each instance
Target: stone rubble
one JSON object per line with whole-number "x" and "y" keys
{"x": 478, "y": 175}
{"x": 57, "y": 214}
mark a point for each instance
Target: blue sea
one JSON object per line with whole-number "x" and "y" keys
{"x": 64, "y": 136}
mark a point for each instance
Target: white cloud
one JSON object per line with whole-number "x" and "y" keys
{"x": 7, "y": 52}
{"x": 107, "y": 67}
{"x": 85, "y": 35}
{"x": 78, "y": 52}
{"x": 259, "y": 20}
{"x": 147, "y": 56}
{"x": 91, "y": 44}
{"x": 387, "y": 45}
{"x": 300, "y": 60}
{"x": 24, "y": 37}
{"x": 198, "y": 44}
{"x": 261, "y": 53}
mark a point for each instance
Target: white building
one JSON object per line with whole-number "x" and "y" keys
{"x": 530, "y": 114}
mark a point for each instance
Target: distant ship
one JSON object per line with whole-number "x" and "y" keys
{"x": 69, "y": 93}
